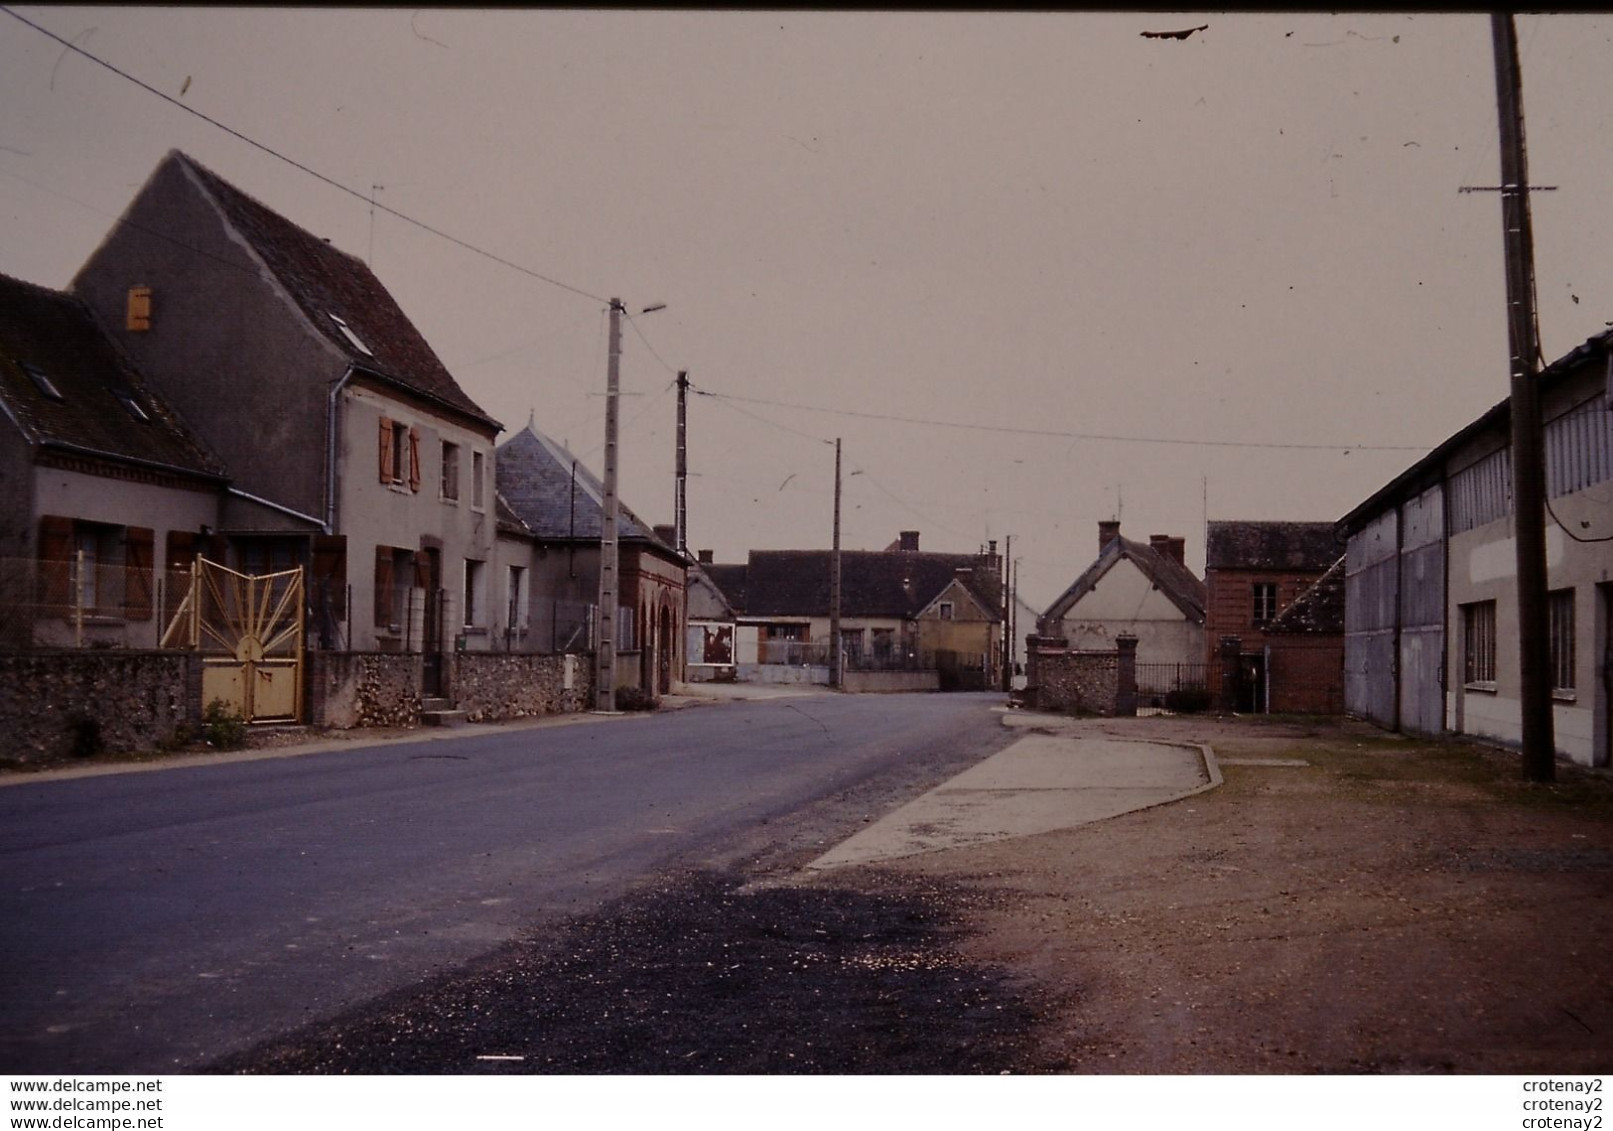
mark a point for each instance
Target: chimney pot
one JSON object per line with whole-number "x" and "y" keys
{"x": 707, "y": 557}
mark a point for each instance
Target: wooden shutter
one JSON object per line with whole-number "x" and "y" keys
{"x": 330, "y": 572}
{"x": 55, "y": 563}
{"x": 414, "y": 459}
{"x": 138, "y": 543}
{"x": 386, "y": 450}
{"x": 383, "y": 586}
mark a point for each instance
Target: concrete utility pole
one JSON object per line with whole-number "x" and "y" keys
{"x": 835, "y": 674}
{"x": 1528, "y": 456}
{"x": 680, "y": 504}
{"x": 605, "y": 652}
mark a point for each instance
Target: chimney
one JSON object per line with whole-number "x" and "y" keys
{"x": 1177, "y": 548}
{"x": 1108, "y": 531}
{"x": 910, "y": 541}
{"x": 707, "y": 557}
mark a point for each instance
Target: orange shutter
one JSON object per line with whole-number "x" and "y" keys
{"x": 414, "y": 459}
{"x": 55, "y": 563}
{"x": 386, "y": 450}
{"x": 137, "y": 550}
{"x": 383, "y": 586}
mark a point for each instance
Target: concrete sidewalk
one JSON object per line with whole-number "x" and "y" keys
{"x": 1044, "y": 781}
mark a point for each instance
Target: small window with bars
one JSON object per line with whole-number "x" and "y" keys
{"x": 1478, "y": 643}
{"x": 1560, "y": 614}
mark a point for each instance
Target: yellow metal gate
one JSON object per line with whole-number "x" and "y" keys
{"x": 248, "y": 628}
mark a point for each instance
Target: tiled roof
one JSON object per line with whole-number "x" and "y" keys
{"x": 54, "y": 333}
{"x": 873, "y": 583}
{"x": 1317, "y": 611}
{"x": 323, "y": 281}
{"x": 1172, "y": 578}
{"x": 534, "y": 475}
{"x": 1272, "y": 545}
{"x": 730, "y": 581}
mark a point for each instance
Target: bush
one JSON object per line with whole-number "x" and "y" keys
{"x": 633, "y": 699}
{"x": 223, "y": 727}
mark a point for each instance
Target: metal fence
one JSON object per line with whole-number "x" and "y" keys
{"x": 1173, "y": 687}
{"x": 82, "y": 602}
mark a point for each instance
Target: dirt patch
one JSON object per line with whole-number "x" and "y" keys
{"x": 1392, "y": 906}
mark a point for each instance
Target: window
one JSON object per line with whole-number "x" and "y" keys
{"x": 41, "y": 381}
{"x": 1265, "y": 598}
{"x": 1478, "y": 642}
{"x": 450, "y": 470}
{"x": 474, "y": 576}
{"x": 946, "y": 610}
{"x": 476, "y": 465}
{"x": 1560, "y": 613}
{"x": 394, "y": 574}
{"x": 347, "y": 332}
{"x": 131, "y": 405}
{"x": 399, "y": 448}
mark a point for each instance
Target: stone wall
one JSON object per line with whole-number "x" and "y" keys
{"x": 57, "y": 704}
{"x": 489, "y": 686}
{"x": 364, "y": 689}
{"x": 1081, "y": 683}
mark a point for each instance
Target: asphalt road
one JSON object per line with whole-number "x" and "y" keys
{"x": 154, "y": 922}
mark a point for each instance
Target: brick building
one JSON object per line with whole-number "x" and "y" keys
{"x": 1253, "y": 571}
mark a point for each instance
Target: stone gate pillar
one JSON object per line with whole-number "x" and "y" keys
{"x": 1126, "y": 682}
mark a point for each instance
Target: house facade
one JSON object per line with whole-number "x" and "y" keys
{"x": 352, "y": 451}
{"x": 1253, "y": 571}
{"x": 561, "y": 503}
{"x": 1431, "y": 576}
{"x": 900, "y": 608}
{"x": 1140, "y": 590}
{"x": 97, "y": 474}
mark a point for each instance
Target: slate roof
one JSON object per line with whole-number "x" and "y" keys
{"x": 534, "y": 475}
{"x": 1170, "y": 576}
{"x": 873, "y": 583}
{"x": 1272, "y": 545}
{"x": 55, "y": 333}
{"x": 323, "y": 280}
{"x": 1317, "y": 611}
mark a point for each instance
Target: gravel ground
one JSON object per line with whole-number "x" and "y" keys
{"x": 1385, "y": 906}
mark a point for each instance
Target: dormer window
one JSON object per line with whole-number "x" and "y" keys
{"x": 41, "y": 381}
{"x": 347, "y": 332}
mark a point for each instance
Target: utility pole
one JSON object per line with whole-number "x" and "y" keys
{"x": 605, "y": 652}
{"x": 1528, "y": 457}
{"x": 836, "y": 676}
{"x": 1007, "y": 607}
{"x": 680, "y": 503}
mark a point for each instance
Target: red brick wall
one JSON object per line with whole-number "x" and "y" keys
{"x": 1230, "y": 609}
{"x": 1306, "y": 674}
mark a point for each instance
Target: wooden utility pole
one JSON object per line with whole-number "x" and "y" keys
{"x": 1007, "y": 608}
{"x": 836, "y": 676}
{"x": 680, "y": 505}
{"x": 1528, "y": 456}
{"x": 605, "y": 652}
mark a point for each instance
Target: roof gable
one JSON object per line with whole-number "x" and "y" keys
{"x": 1272, "y": 545}
{"x": 101, "y": 405}
{"x": 339, "y": 295}
{"x": 554, "y": 494}
{"x": 956, "y": 592}
{"x": 1166, "y": 574}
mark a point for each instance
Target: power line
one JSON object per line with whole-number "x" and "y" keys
{"x": 367, "y": 199}
{"x": 1066, "y": 435}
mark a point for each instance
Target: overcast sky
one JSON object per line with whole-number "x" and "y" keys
{"x": 1227, "y": 276}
